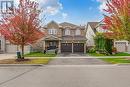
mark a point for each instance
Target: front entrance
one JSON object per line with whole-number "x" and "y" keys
{"x": 52, "y": 45}
{"x": 66, "y": 47}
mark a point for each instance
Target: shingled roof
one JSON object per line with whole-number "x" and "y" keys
{"x": 93, "y": 25}
{"x": 64, "y": 24}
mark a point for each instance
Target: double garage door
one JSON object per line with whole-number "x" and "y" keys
{"x": 67, "y": 47}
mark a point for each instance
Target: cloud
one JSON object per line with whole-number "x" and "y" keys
{"x": 51, "y": 7}
{"x": 64, "y": 15}
{"x": 102, "y": 5}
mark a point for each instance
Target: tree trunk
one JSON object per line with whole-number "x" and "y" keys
{"x": 22, "y": 54}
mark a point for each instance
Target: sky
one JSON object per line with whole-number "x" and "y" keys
{"x": 73, "y": 11}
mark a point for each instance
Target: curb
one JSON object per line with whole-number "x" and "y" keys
{"x": 1, "y": 65}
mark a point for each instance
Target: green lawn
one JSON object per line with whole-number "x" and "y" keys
{"x": 29, "y": 61}
{"x": 39, "y": 54}
{"x": 121, "y": 54}
{"x": 116, "y": 60}
{"x": 96, "y": 54}
{"x": 118, "y": 54}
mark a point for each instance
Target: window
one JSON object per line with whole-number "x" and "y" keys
{"x": 52, "y": 31}
{"x": 78, "y": 32}
{"x": 67, "y": 32}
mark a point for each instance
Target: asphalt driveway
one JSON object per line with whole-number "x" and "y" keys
{"x": 77, "y": 61}
{"x": 64, "y": 76}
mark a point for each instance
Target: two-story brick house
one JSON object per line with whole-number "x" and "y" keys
{"x": 66, "y": 37}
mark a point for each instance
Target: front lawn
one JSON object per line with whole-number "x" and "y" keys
{"x": 116, "y": 60}
{"x": 96, "y": 54}
{"x": 40, "y": 54}
{"x": 117, "y": 54}
{"x": 121, "y": 54}
{"x": 29, "y": 61}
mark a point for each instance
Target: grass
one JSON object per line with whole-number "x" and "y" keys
{"x": 116, "y": 60}
{"x": 118, "y": 54}
{"x": 29, "y": 61}
{"x": 40, "y": 54}
{"x": 121, "y": 54}
{"x": 96, "y": 54}
{"x": 113, "y": 60}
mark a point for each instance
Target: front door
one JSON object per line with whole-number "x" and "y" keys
{"x": 52, "y": 45}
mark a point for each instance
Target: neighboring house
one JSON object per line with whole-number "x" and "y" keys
{"x": 7, "y": 47}
{"x": 91, "y": 33}
{"x": 65, "y": 37}
{"x": 94, "y": 27}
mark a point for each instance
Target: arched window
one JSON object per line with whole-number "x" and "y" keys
{"x": 67, "y": 32}
{"x": 78, "y": 32}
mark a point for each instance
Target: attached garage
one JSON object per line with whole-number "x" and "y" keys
{"x": 11, "y": 48}
{"x": 78, "y": 47}
{"x": 66, "y": 47}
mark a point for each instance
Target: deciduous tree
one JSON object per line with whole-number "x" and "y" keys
{"x": 23, "y": 27}
{"x": 117, "y": 19}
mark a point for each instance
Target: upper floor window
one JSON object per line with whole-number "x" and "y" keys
{"x": 52, "y": 31}
{"x": 78, "y": 32}
{"x": 67, "y": 32}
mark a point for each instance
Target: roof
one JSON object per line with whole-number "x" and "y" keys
{"x": 65, "y": 24}
{"x": 78, "y": 38}
{"x": 93, "y": 25}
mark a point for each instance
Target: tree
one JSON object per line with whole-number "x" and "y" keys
{"x": 117, "y": 20}
{"x": 23, "y": 27}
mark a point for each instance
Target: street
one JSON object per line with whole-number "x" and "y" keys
{"x": 65, "y": 76}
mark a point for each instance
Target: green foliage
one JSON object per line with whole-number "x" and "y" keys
{"x": 92, "y": 50}
{"x": 103, "y": 45}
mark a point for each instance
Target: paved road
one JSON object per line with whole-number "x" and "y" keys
{"x": 65, "y": 76}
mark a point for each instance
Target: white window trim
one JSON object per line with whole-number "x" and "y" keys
{"x": 52, "y": 31}
{"x": 78, "y": 32}
{"x": 67, "y": 31}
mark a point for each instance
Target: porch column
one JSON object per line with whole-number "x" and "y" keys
{"x": 72, "y": 47}
{"x": 85, "y": 48}
{"x": 44, "y": 45}
{"x": 59, "y": 47}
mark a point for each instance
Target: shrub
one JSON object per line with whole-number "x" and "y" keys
{"x": 92, "y": 50}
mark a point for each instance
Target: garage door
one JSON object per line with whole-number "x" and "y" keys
{"x": 11, "y": 48}
{"x": 66, "y": 47}
{"x": 78, "y": 47}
